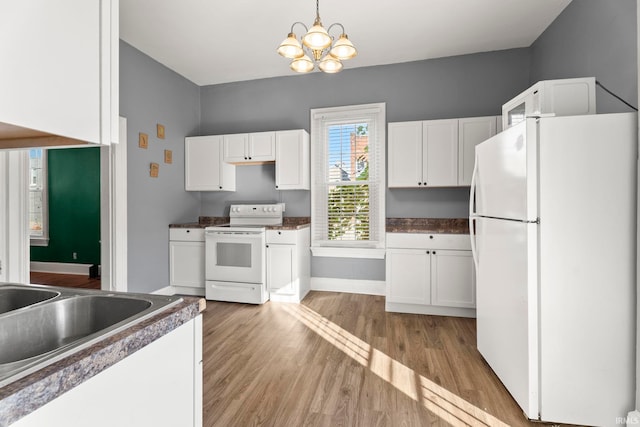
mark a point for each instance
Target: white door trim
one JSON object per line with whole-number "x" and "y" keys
{"x": 14, "y": 214}
{"x": 113, "y": 209}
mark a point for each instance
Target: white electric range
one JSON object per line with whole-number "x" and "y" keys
{"x": 235, "y": 254}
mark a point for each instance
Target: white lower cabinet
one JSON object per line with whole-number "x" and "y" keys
{"x": 288, "y": 264}
{"x": 159, "y": 385}
{"x": 430, "y": 274}
{"x": 186, "y": 260}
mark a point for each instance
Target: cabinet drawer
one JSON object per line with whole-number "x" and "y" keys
{"x": 281, "y": 236}
{"x": 187, "y": 234}
{"x": 428, "y": 241}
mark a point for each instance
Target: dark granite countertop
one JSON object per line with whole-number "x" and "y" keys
{"x": 288, "y": 223}
{"x": 393, "y": 225}
{"x": 428, "y": 225}
{"x": 37, "y": 389}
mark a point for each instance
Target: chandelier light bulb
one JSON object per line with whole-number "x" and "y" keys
{"x": 330, "y": 64}
{"x": 290, "y": 47}
{"x": 304, "y": 64}
{"x": 343, "y": 48}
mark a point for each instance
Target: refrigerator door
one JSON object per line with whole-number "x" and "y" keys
{"x": 505, "y": 178}
{"x": 587, "y": 267}
{"x": 507, "y": 305}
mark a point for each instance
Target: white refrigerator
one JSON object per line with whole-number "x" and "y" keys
{"x": 553, "y": 220}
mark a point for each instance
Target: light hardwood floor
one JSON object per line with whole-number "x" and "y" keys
{"x": 65, "y": 280}
{"x": 341, "y": 360}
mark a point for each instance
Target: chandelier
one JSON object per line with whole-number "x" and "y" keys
{"x": 317, "y": 43}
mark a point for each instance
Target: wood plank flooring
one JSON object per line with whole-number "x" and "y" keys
{"x": 65, "y": 280}
{"x": 341, "y": 360}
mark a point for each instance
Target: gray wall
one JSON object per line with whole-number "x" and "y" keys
{"x": 592, "y": 38}
{"x": 149, "y": 94}
{"x": 462, "y": 86}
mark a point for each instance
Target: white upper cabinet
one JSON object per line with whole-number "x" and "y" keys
{"x": 405, "y": 154}
{"x": 423, "y": 153}
{"x": 435, "y": 153}
{"x": 472, "y": 131}
{"x": 292, "y": 160}
{"x": 251, "y": 147}
{"x": 205, "y": 169}
{"x": 440, "y": 153}
{"x": 59, "y": 73}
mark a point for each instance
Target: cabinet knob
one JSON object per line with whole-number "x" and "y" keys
{"x": 249, "y": 157}
{"x": 431, "y": 237}
{"x": 221, "y": 187}
{"x": 434, "y": 252}
{"x": 188, "y": 231}
{"x": 276, "y": 186}
{"x": 279, "y": 232}
{"x": 419, "y": 183}
{"x": 428, "y": 252}
{"x": 267, "y": 246}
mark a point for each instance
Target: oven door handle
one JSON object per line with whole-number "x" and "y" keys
{"x": 231, "y": 233}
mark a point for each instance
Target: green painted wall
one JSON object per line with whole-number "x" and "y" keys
{"x": 74, "y": 207}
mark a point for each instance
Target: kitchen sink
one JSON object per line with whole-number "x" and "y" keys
{"x": 43, "y": 324}
{"x": 15, "y": 297}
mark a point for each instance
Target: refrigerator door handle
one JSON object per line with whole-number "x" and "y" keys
{"x": 472, "y": 195}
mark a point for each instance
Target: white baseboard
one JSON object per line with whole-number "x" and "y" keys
{"x": 59, "y": 267}
{"x": 168, "y": 290}
{"x": 351, "y": 286}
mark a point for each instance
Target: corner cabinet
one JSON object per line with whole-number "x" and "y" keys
{"x": 59, "y": 74}
{"x": 292, "y": 160}
{"x": 435, "y": 153}
{"x": 186, "y": 261}
{"x": 288, "y": 264}
{"x": 205, "y": 168}
{"x": 430, "y": 274}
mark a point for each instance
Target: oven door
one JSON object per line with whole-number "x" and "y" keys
{"x": 235, "y": 256}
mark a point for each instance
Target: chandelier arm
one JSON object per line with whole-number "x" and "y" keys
{"x": 336, "y": 24}
{"x": 301, "y": 23}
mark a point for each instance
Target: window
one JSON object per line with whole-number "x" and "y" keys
{"x": 38, "y": 211}
{"x": 348, "y": 181}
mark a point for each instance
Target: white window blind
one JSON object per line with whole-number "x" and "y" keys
{"x": 348, "y": 178}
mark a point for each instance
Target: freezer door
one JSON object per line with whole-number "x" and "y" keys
{"x": 507, "y": 306}
{"x": 505, "y": 181}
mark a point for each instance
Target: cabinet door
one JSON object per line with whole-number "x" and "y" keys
{"x": 408, "y": 276}
{"x": 236, "y": 148}
{"x": 292, "y": 160}
{"x": 280, "y": 268}
{"x": 52, "y": 70}
{"x": 405, "y": 154}
{"x": 186, "y": 264}
{"x": 262, "y": 146}
{"x": 472, "y": 131}
{"x": 204, "y": 168}
{"x": 453, "y": 279}
{"x": 440, "y": 153}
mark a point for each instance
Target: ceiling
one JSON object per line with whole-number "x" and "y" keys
{"x": 215, "y": 41}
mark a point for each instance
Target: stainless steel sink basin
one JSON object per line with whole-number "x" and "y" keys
{"x": 46, "y": 330}
{"x": 15, "y": 297}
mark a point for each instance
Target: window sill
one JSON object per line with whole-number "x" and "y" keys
{"x": 39, "y": 242}
{"x": 333, "y": 252}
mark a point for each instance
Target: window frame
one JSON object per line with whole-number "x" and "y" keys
{"x": 321, "y": 119}
{"x": 44, "y": 239}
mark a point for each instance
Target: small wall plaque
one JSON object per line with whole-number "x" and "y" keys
{"x": 143, "y": 140}
{"x": 153, "y": 170}
{"x": 160, "y": 129}
{"x": 168, "y": 156}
